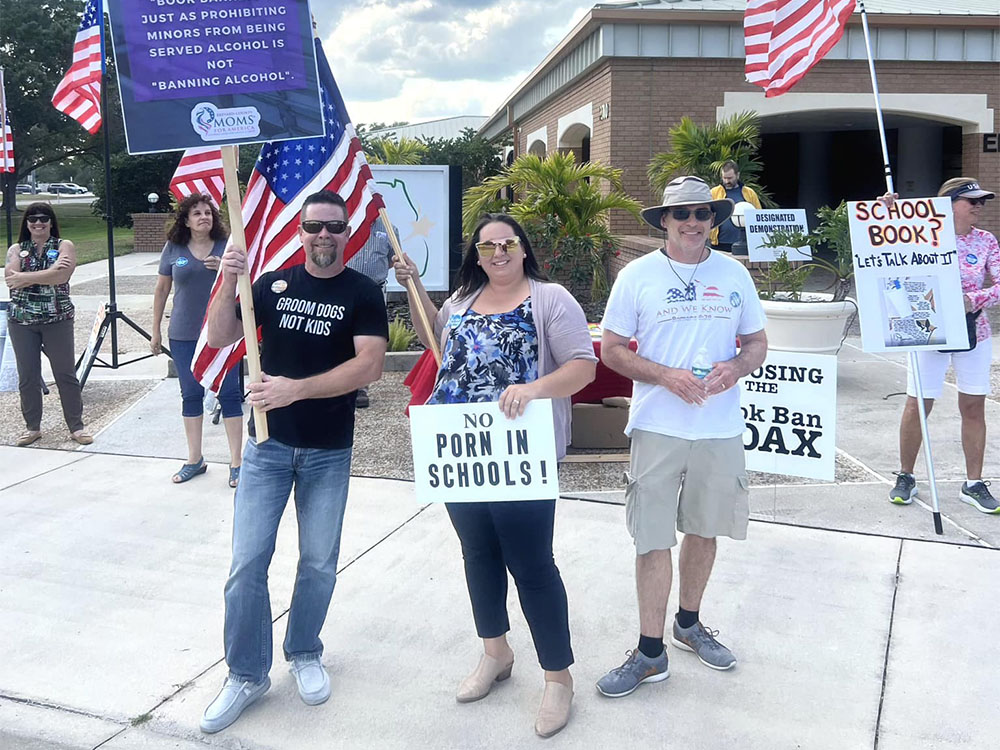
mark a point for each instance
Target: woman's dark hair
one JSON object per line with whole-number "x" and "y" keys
{"x": 33, "y": 210}
{"x": 179, "y": 232}
{"x": 471, "y": 276}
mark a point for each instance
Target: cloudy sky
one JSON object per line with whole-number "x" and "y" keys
{"x": 418, "y": 60}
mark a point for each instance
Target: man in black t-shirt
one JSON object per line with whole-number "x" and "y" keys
{"x": 323, "y": 335}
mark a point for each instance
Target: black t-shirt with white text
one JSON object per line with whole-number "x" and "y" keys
{"x": 308, "y": 325}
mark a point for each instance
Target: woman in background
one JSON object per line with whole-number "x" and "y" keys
{"x": 40, "y": 318}
{"x": 188, "y": 263}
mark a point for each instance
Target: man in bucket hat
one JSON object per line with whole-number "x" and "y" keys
{"x": 685, "y": 305}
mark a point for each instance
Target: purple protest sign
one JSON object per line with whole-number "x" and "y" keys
{"x": 188, "y": 48}
{"x": 194, "y": 72}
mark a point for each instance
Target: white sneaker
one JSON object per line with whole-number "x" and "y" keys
{"x": 234, "y": 697}
{"x": 311, "y": 678}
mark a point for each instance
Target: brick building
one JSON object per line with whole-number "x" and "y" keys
{"x": 629, "y": 71}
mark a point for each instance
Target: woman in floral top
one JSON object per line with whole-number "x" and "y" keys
{"x": 977, "y": 254}
{"x": 510, "y": 336}
{"x": 40, "y": 318}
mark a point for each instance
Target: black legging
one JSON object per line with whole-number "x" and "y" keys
{"x": 515, "y": 536}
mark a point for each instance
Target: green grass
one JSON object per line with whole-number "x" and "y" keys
{"x": 89, "y": 233}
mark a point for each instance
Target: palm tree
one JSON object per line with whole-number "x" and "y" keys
{"x": 565, "y": 196}
{"x": 701, "y": 150}
{"x": 404, "y": 151}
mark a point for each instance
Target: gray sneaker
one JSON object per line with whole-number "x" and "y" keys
{"x": 701, "y": 641}
{"x": 905, "y": 489}
{"x": 637, "y": 669}
{"x": 234, "y": 697}
{"x": 979, "y": 497}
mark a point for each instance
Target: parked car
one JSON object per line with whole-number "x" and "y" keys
{"x": 66, "y": 188}
{"x": 24, "y": 189}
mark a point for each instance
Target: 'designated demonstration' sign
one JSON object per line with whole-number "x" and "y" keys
{"x": 790, "y": 410}
{"x": 761, "y": 223}
{"x": 473, "y": 453}
{"x": 906, "y": 267}
{"x": 202, "y": 72}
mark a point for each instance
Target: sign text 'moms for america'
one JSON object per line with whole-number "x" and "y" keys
{"x": 473, "y": 453}
{"x": 790, "y": 410}
{"x": 198, "y": 72}
{"x": 907, "y": 273}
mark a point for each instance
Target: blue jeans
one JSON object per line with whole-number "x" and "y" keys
{"x": 270, "y": 470}
{"x": 192, "y": 392}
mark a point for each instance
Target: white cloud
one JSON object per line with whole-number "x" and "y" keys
{"x": 421, "y": 59}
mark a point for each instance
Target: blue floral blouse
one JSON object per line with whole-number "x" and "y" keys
{"x": 486, "y": 353}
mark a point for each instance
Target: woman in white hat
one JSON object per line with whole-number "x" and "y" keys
{"x": 977, "y": 253}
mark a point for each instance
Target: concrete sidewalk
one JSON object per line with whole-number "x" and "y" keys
{"x": 111, "y": 615}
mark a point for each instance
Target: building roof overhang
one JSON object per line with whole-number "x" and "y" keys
{"x": 727, "y": 12}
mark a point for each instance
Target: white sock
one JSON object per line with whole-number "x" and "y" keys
{"x": 970, "y": 483}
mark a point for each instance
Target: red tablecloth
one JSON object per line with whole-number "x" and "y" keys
{"x": 606, "y": 383}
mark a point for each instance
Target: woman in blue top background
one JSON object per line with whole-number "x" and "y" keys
{"x": 190, "y": 259}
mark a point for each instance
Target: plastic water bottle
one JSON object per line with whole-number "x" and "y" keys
{"x": 702, "y": 364}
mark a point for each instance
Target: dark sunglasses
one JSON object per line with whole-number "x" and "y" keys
{"x": 313, "y": 226}
{"x": 973, "y": 201}
{"x": 39, "y": 218}
{"x": 682, "y": 214}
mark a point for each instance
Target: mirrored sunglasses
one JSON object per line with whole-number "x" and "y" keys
{"x": 40, "y": 218}
{"x": 312, "y": 226}
{"x": 488, "y": 248}
{"x": 682, "y": 214}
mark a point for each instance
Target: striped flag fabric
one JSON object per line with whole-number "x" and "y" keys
{"x": 285, "y": 173}
{"x": 6, "y": 136}
{"x": 200, "y": 171}
{"x": 79, "y": 92}
{"x": 785, "y": 38}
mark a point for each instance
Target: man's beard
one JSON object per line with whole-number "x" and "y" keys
{"x": 322, "y": 258}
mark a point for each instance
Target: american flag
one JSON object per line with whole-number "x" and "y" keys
{"x": 785, "y": 38}
{"x": 79, "y": 92}
{"x": 286, "y": 172}
{"x": 199, "y": 171}
{"x": 6, "y": 136}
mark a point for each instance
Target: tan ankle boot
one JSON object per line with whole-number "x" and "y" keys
{"x": 478, "y": 684}
{"x": 553, "y": 714}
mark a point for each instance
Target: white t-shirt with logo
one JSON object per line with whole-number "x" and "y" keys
{"x": 671, "y": 322}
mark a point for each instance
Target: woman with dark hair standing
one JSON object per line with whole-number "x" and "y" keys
{"x": 509, "y": 335}
{"x": 40, "y": 318}
{"x": 190, "y": 259}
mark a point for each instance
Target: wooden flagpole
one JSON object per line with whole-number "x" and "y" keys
{"x": 411, "y": 285}
{"x": 230, "y": 159}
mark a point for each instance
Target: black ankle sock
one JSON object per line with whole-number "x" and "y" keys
{"x": 686, "y": 618}
{"x": 649, "y": 646}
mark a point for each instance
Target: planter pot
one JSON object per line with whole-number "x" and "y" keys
{"x": 814, "y": 325}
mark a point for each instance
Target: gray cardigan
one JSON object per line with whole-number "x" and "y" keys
{"x": 562, "y": 336}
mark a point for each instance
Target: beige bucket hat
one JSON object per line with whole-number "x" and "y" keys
{"x": 687, "y": 191}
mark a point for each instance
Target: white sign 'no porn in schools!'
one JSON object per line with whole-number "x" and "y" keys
{"x": 466, "y": 453}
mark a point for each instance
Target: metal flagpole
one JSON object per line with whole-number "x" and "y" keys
{"x": 914, "y": 366}
{"x": 109, "y": 321}
{"x": 7, "y": 191}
